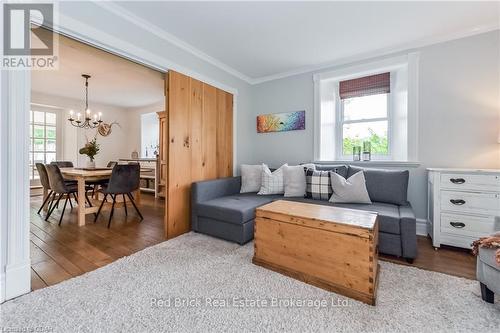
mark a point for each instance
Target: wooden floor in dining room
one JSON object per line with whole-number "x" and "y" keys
{"x": 62, "y": 252}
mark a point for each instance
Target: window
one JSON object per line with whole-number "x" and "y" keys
{"x": 364, "y": 115}
{"x": 43, "y": 139}
{"x": 375, "y": 103}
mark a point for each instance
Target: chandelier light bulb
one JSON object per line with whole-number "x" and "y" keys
{"x": 78, "y": 116}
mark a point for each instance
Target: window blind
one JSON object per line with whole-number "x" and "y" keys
{"x": 365, "y": 86}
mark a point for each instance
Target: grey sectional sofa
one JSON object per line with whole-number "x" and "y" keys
{"x": 218, "y": 208}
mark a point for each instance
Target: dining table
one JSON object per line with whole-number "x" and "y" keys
{"x": 83, "y": 175}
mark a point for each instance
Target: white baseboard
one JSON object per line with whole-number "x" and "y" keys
{"x": 422, "y": 226}
{"x": 17, "y": 280}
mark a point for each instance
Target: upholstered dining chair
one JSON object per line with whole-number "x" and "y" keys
{"x": 61, "y": 188}
{"x": 44, "y": 180}
{"x": 101, "y": 182}
{"x": 63, "y": 164}
{"x": 124, "y": 180}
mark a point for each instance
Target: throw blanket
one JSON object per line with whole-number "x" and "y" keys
{"x": 490, "y": 242}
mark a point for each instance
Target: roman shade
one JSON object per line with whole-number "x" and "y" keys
{"x": 365, "y": 86}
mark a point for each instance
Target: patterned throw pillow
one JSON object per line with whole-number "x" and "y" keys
{"x": 318, "y": 184}
{"x": 272, "y": 182}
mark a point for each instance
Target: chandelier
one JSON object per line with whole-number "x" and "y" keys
{"x": 90, "y": 120}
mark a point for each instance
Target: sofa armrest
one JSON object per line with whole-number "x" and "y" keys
{"x": 216, "y": 188}
{"x": 408, "y": 231}
{"x": 211, "y": 189}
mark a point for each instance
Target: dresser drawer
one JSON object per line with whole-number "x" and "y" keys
{"x": 470, "y": 202}
{"x": 472, "y": 226}
{"x": 470, "y": 181}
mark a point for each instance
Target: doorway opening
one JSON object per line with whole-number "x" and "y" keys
{"x": 122, "y": 93}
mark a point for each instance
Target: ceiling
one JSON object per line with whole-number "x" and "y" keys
{"x": 115, "y": 81}
{"x": 263, "y": 40}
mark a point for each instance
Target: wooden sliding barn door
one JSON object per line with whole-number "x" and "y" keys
{"x": 200, "y": 123}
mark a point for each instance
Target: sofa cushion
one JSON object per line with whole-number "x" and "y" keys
{"x": 389, "y": 186}
{"x": 340, "y": 169}
{"x": 238, "y": 208}
{"x": 388, "y": 214}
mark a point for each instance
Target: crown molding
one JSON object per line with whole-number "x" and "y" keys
{"x": 70, "y": 27}
{"x": 158, "y": 32}
{"x": 408, "y": 47}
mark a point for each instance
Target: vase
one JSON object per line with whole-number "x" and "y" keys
{"x": 90, "y": 164}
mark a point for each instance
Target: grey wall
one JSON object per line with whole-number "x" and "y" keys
{"x": 459, "y": 112}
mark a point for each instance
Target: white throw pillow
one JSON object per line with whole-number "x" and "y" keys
{"x": 351, "y": 190}
{"x": 272, "y": 182}
{"x": 294, "y": 178}
{"x": 251, "y": 178}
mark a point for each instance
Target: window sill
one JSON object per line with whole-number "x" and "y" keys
{"x": 374, "y": 163}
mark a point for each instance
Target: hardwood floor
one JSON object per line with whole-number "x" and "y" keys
{"x": 60, "y": 253}
{"x": 447, "y": 259}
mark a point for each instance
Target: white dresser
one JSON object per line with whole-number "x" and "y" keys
{"x": 463, "y": 205}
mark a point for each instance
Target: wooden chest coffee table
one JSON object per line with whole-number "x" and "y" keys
{"x": 329, "y": 247}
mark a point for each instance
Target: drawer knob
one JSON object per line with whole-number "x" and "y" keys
{"x": 458, "y": 202}
{"x": 458, "y": 225}
{"x": 457, "y": 180}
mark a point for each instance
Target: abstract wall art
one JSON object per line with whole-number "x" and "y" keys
{"x": 281, "y": 122}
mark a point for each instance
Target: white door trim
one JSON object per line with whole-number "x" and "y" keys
{"x": 16, "y": 269}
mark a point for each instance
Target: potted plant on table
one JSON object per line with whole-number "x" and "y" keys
{"x": 90, "y": 149}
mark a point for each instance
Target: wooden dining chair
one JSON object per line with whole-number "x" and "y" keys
{"x": 124, "y": 180}
{"x": 60, "y": 187}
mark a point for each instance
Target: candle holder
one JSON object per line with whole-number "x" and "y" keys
{"x": 367, "y": 150}
{"x": 356, "y": 153}
{"x": 87, "y": 123}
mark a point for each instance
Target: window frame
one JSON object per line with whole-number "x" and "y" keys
{"x": 31, "y": 151}
{"x": 326, "y": 100}
{"x": 339, "y": 129}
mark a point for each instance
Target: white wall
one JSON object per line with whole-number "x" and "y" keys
{"x": 135, "y": 121}
{"x": 89, "y": 21}
{"x": 113, "y": 147}
{"x": 458, "y": 112}
{"x": 149, "y": 134}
